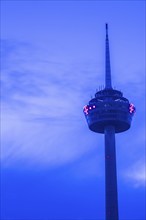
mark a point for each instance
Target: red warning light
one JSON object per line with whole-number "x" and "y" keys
{"x": 131, "y": 108}
{"x": 85, "y": 109}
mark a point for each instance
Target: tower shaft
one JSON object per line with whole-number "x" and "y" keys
{"x": 110, "y": 174}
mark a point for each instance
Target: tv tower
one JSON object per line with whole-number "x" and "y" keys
{"x": 109, "y": 113}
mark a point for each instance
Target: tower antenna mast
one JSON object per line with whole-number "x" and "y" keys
{"x": 108, "y": 83}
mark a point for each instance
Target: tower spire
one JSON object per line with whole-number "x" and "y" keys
{"x": 108, "y": 84}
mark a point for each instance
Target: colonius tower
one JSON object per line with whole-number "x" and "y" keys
{"x": 109, "y": 113}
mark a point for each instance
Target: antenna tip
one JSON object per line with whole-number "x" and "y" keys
{"x": 106, "y": 26}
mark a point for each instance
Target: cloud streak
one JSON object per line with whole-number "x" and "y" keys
{"x": 42, "y": 100}
{"x": 136, "y": 174}
{"x": 41, "y": 112}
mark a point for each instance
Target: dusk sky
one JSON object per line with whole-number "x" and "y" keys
{"x": 53, "y": 60}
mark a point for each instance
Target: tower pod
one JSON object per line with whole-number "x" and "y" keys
{"x": 109, "y": 107}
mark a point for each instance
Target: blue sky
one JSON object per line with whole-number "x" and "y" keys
{"x": 52, "y": 166}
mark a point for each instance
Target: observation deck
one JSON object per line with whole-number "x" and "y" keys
{"x": 109, "y": 107}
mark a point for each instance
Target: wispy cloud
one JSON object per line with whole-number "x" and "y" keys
{"x": 41, "y": 111}
{"x": 42, "y": 100}
{"x": 136, "y": 174}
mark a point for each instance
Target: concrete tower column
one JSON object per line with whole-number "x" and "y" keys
{"x": 110, "y": 174}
